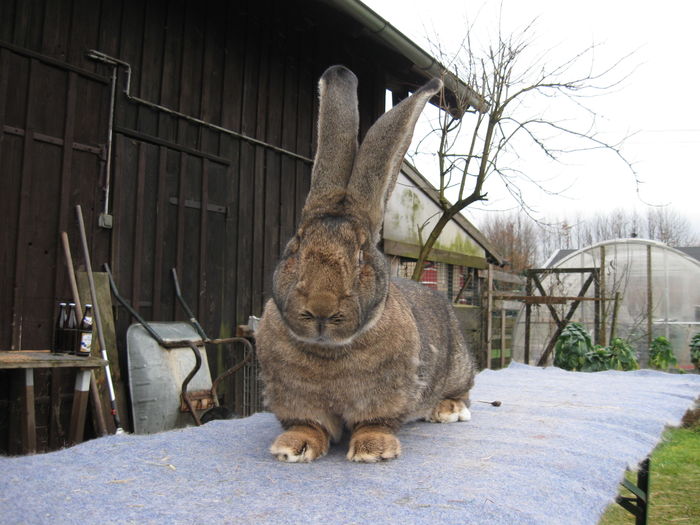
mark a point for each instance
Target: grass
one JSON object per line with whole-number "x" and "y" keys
{"x": 675, "y": 482}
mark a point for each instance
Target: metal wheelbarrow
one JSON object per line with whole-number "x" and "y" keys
{"x": 168, "y": 371}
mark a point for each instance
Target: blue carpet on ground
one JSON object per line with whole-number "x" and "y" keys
{"x": 552, "y": 453}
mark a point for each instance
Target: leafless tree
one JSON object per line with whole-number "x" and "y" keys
{"x": 659, "y": 224}
{"x": 670, "y": 227}
{"x": 515, "y": 236}
{"x": 477, "y": 145}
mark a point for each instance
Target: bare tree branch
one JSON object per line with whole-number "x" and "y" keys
{"x": 470, "y": 150}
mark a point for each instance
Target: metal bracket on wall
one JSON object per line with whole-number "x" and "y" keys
{"x": 198, "y": 206}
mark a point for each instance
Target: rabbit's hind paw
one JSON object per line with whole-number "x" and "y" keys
{"x": 450, "y": 411}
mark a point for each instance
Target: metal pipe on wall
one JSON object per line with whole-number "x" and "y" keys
{"x": 102, "y": 57}
{"x": 105, "y": 218}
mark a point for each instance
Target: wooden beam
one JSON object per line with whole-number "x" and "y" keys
{"x": 403, "y": 249}
{"x": 547, "y": 299}
{"x": 552, "y": 311}
{"x": 567, "y": 318}
{"x": 46, "y": 359}
{"x": 536, "y": 271}
{"x": 499, "y": 275}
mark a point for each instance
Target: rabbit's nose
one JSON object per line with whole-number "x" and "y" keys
{"x": 321, "y": 305}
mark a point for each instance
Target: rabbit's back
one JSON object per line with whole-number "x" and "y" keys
{"x": 446, "y": 365}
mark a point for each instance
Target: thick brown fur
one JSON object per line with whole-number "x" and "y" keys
{"x": 340, "y": 344}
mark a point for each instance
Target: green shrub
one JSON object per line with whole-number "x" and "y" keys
{"x": 661, "y": 354}
{"x": 695, "y": 350}
{"x": 572, "y": 346}
{"x": 574, "y": 350}
{"x": 597, "y": 360}
{"x": 622, "y": 356}
{"x": 618, "y": 356}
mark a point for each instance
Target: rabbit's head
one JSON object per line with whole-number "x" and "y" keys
{"x": 332, "y": 281}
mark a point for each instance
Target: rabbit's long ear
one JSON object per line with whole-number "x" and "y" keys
{"x": 382, "y": 151}
{"x": 338, "y": 120}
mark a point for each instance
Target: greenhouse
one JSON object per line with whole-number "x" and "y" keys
{"x": 641, "y": 290}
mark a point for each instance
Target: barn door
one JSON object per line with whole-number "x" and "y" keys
{"x": 170, "y": 211}
{"x": 53, "y": 127}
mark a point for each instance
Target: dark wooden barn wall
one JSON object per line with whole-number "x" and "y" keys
{"x": 53, "y": 126}
{"x": 218, "y": 208}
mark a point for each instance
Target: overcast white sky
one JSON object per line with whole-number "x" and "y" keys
{"x": 659, "y": 100}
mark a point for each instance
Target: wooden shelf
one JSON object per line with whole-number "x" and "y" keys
{"x": 46, "y": 359}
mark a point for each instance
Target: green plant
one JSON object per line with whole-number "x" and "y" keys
{"x": 574, "y": 350}
{"x": 598, "y": 359}
{"x": 618, "y": 356}
{"x": 572, "y": 346}
{"x": 695, "y": 350}
{"x": 661, "y": 354}
{"x": 622, "y": 356}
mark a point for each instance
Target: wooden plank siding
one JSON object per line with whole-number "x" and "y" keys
{"x": 218, "y": 208}
{"x": 51, "y": 156}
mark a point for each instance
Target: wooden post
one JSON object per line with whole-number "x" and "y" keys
{"x": 650, "y": 302}
{"x": 528, "y": 318}
{"x": 598, "y": 334}
{"x": 503, "y": 336}
{"x": 603, "y": 294}
{"x": 489, "y": 314}
{"x": 28, "y": 414}
{"x": 80, "y": 399}
{"x": 56, "y": 433}
{"x": 613, "y": 323}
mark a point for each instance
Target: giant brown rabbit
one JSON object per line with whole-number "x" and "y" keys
{"x": 341, "y": 344}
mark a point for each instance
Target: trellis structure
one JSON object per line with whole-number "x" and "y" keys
{"x": 649, "y": 290}
{"x": 535, "y": 277}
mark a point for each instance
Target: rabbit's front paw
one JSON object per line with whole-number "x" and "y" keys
{"x": 300, "y": 444}
{"x": 371, "y": 444}
{"x": 450, "y": 411}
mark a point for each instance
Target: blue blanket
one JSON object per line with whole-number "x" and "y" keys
{"x": 553, "y": 452}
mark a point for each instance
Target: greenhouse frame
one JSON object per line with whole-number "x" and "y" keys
{"x": 646, "y": 289}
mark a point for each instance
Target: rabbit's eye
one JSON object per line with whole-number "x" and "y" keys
{"x": 336, "y": 318}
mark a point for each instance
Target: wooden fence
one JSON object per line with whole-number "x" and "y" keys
{"x": 499, "y": 315}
